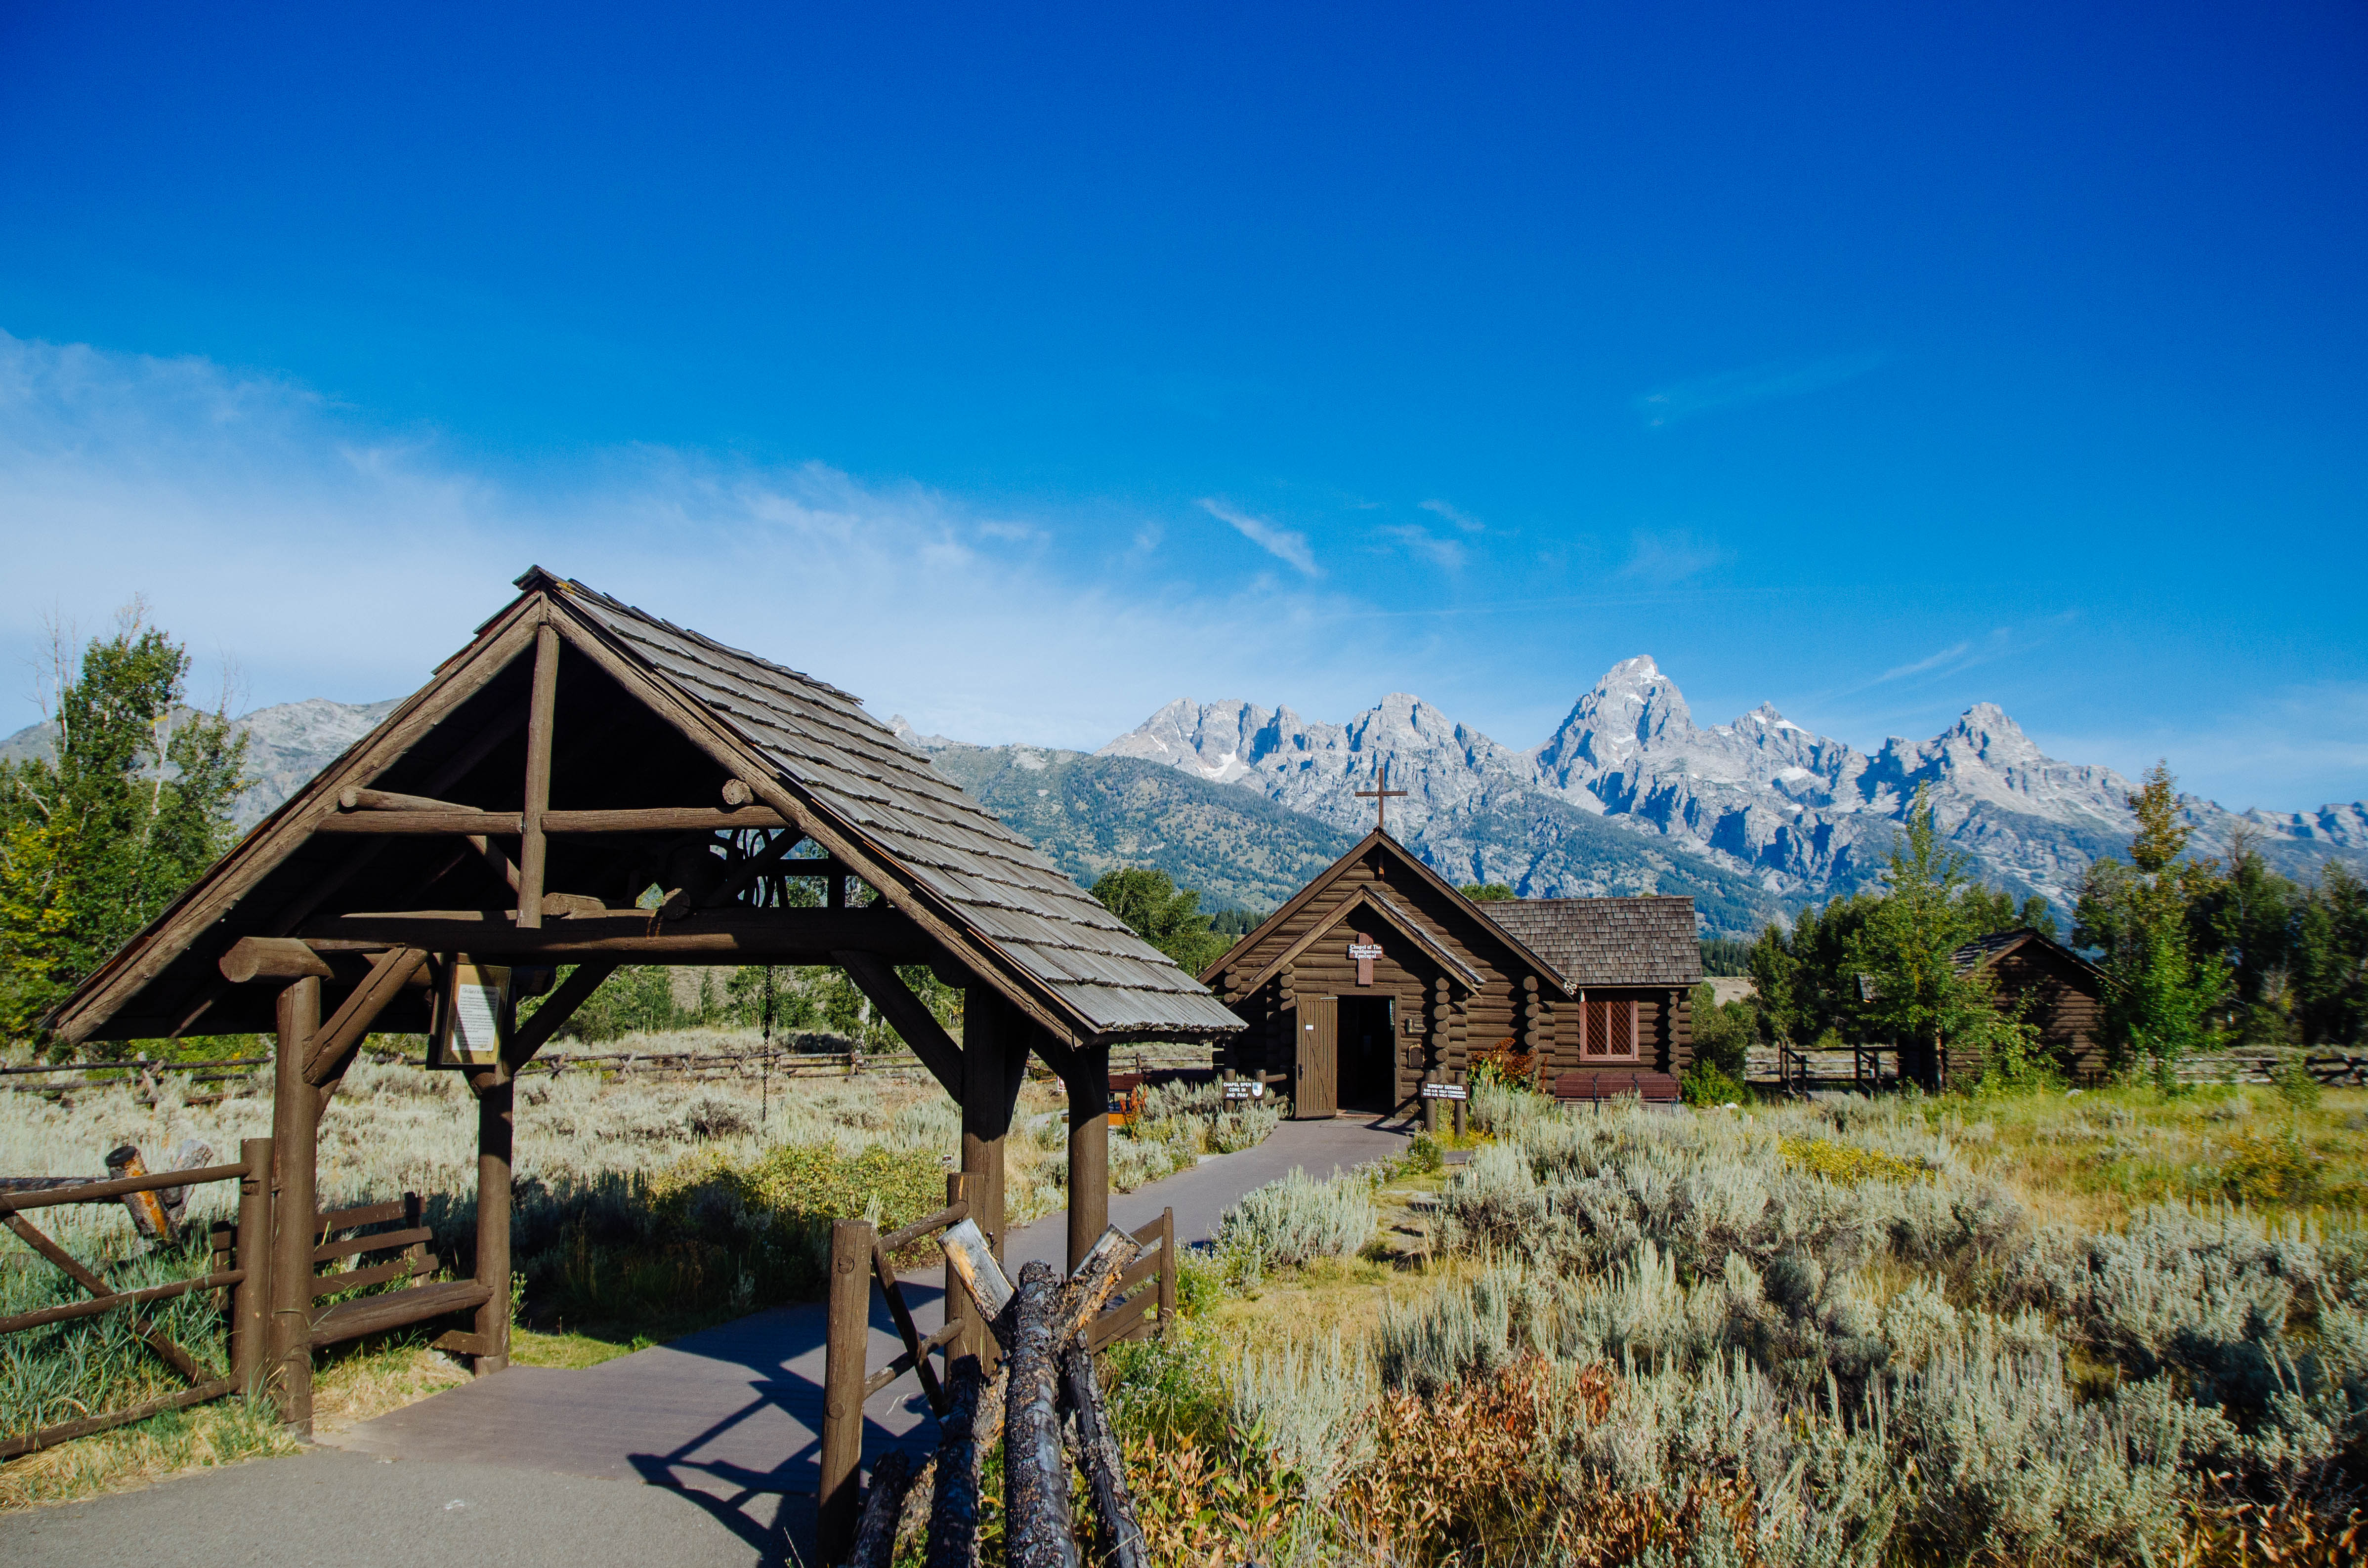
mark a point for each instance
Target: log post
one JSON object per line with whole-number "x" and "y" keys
{"x": 1035, "y": 1470}
{"x": 533, "y": 847}
{"x": 250, "y": 1299}
{"x": 846, "y": 1349}
{"x": 295, "y": 1145}
{"x": 1088, "y": 1151}
{"x": 495, "y": 1101}
{"x": 957, "y": 1298}
{"x": 995, "y": 1046}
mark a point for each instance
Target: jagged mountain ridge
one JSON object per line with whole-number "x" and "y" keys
{"x": 1802, "y": 815}
{"x": 1095, "y": 814}
{"x": 287, "y": 744}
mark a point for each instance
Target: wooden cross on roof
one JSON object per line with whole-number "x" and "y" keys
{"x": 1381, "y": 794}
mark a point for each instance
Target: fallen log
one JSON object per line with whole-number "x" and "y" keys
{"x": 1035, "y": 1472}
{"x": 953, "y": 1505}
{"x": 875, "y": 1538}
{"x": 1098, "y": 1454}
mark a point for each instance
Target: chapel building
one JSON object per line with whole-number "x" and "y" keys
{"x": 1380, "y": 976}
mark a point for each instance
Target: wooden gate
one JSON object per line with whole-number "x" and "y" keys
{"x": 235, "y": 1265}
{"x": 1316, "y": 1087}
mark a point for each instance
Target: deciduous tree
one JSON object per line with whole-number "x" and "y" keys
{"x": 96, "y": 840}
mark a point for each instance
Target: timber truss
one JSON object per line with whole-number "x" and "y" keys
{"x": 586, "y": 786}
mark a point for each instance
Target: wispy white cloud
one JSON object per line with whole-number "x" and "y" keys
{"x": 1469, "y": 524}
{"x": 1669, "y": 556}
{"x": 1287, "y": 545}
{"x": 1949, "y": 658}
{"x": 337, "y": 559}
{"x": 1735, "y": 389}
{"x": 1447, "y": 554}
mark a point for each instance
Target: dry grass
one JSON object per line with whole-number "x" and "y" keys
{"x": 2093, "y": 1159}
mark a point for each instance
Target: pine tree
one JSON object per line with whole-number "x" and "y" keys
{"x": 1930, "y": 907}
{"x": 94, "y": 843}
{"x": 2331, "y": 959}
{"x": 1163, "y": 915}
{"x": 2160, "y": 1007}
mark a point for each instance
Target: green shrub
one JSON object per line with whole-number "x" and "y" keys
{"x": 2296, "y": 1084}
{"x": 1705, "y": 1085}
{"x": 1724, "y": 1033}
{"x": 1296, "y": 1219}
{"x": 1424, "y": 1156}
{"x": 1200, "y": 1283}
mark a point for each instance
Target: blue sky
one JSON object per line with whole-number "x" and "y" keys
{"x": 1020, "y": 371}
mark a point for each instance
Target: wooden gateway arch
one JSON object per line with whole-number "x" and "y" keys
{"x": 513, "y": 815}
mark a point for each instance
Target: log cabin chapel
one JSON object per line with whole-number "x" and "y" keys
{"x": 1379, "y": 977}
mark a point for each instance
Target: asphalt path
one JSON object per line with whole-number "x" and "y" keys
{"x": 700, "y": 1452}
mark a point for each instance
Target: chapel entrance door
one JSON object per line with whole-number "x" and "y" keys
{"x": 1368, "y": 1069}
{"x": 1315, "y": 1086}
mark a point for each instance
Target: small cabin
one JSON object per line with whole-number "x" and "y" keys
{"x": 2057, "y": 990}
{"x": 1379, "y": 977}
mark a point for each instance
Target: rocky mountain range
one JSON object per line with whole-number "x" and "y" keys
{"x": 286, "y": 744}
{"x": 1627, "y": 795}
{"x": 1798, "y": 815}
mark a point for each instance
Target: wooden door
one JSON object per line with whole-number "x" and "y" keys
{"x": 1316, "y": 1087}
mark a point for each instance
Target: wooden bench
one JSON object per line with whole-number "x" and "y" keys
{"x": 1615, "y": 1083}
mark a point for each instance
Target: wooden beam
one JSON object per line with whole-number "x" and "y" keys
{"x": 354, "y": 798}
{"x": 512, "y": 825}
{"x": 718, "y": 936}
{"x": 534, "y": 1033}
{"x": 533, "y": 849}
{"x": 272, "y": 957}
{"x": 334, "y": 1044}
{"x": 908, "y": 1015}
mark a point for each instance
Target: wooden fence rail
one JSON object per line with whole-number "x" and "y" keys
{"x": 239, "y": 1252}
{"x": 1793, "y": 1069}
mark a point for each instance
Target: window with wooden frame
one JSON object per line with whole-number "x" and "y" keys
{"x": 1609, "y": 1030}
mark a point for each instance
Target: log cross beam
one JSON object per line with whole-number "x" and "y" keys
{"x": 534, "y": 1033}
{"x": 908, "y": 1015}
{"x": 334, "y": 1044}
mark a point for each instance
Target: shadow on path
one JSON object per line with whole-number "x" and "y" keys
{"x": 729, "y": 1418}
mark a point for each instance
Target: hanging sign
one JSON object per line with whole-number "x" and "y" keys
{"x": 1445, "y": 1091}
{"x": 472, "y": 1011}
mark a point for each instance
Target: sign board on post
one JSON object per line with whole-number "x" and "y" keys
{"x": 1445, "y": 1091}
{"x": 473, "y": 1012}
{"x": 1244, "y": 1088}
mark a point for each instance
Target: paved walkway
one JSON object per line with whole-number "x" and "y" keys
{"x": 719, "y": 1426}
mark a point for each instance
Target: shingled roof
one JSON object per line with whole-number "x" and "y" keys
{"x": 983, "y": 896}
{"x": 820, "y": 739}
{"x": 1983, "y": 951}
{"x": 1607, "y": 941}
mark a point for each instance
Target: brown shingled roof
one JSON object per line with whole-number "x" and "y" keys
{"x": 1607, "y": 941}
{"x": 852, "y": 765}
